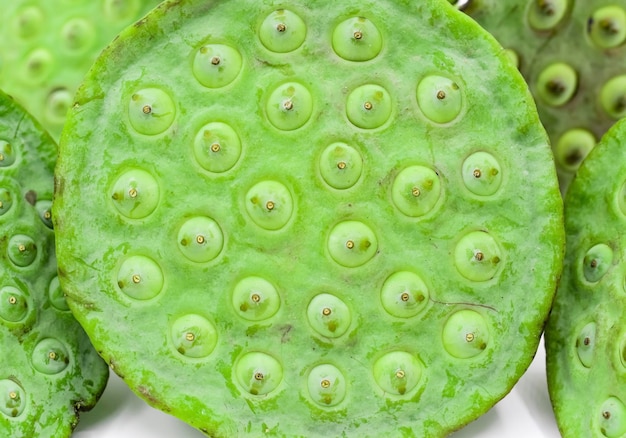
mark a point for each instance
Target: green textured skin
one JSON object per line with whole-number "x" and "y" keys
{"x": 453, "y": 374}
{"x": 595, "y": 213}
{"x": 50, "y": 401}
{"x": 41, "y": 56}
{"x": 568, "y": 42}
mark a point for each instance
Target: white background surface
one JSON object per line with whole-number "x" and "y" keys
{"x": 524, "y": 413}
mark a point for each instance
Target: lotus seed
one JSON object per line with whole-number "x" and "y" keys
{"x": 369, "y": 106}
{"x": 269, "y": 205}
{"x": 135, "y": 194}
{"x": 50, "y": 356}
{"x": 214, "y": 138}
{"x": 258, "y": 373}
{"x": 145, "y": 275}
{"x": 440, "y": 99}
{"x": 151, "y": 111}
{"x": 397, "y": 373}
{"x": 544, "y": 15}
{"x": 22, "y": 250}
{"x": 613, "y": 97}
{"x": 340, "y": 166}
{"x": 597, "y": 262}
{"x": 282, "y": 31}
{"x": 329, "y": 316}
{"x": 289, "y": 106}
{"x": 217, "y": 65}
{"x": 357, "y": 39}
{"x": 193, "y": 336}
{"x": 416, "y": 191}
{"x": 612, "y": 423}
{"x": 200, "y": 239}
{"x": 466, "y": 334}
{"x": 557, "y": 84}
{"x": 478, "y": 256}
{"x": 607, "y": 27}
{"x": 352, "y": 244}
{"x": 255, "y": 299}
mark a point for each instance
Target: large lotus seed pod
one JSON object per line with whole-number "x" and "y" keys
{"x": 586, "y": 333}
{"x": 573, "y": 56}
{"x": 47, "y": 46}
{"x": 336, "y": 218}
{"x": 49, "y": 370}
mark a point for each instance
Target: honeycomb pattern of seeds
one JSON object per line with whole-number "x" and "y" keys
{"x": 6, "y": 201}
{"x": 572, "y": 148}
{"x": 477, "y": 256}
{"x": 416, "y": 191}
{"x": 216, "y": 65}
{"x": 404, "y": 294}
{"x": 57, "y": 296}
{"x": 439, "y": 98}
{"x": 270, "y": 205}
{"x": 282, "y": 31}
{"x": 217, "y": 147}
{"x": 289, "y": 106}
{"x": 255, "y": 299}
{"x": 607, "y": 26}
{"x": 7, "y": 154}
{"x": 200, "y": 239}
{"x": 597, "y": 261}
{"x": 14, "y": 304}
{"x": 50, "y": 356}
{"x": 141, "y": 278}
{"x": 397, "y": 373}
{"x": 544, "y": 15}
{"x": 327, "y": 385}
{"x": 151, "y": 111}
{"x": 612, "y": 418}
{"x": 352, "y": 244}
{"x": 369, "y": 106}
{"x": 135, "y": 194}
{"x": 613, "y": 97}
{"x": 585, "y": 344}
{"x": 329, "y": 315}
{"x": 193, "y": 336}
{"x": 341, "y": 166}
{"x": 557, "y": 84}
{"x": 357, "y": 39}
{"x": 466, "y": 334}
{"x": 482, "y": 174}
{"x": 13, "y": 399}
{"x": 22, "y": 250}
{"x": 258, "y": 373}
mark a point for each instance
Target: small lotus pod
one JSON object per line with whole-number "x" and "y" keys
{"x": 572, "y": 53}
{"x": 586, "y": 333}
{"x": 346, "y": 211}
{"x": 49, "y": 371}
{"x": 47, "y": 46}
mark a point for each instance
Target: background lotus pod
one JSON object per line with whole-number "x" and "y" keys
{"x": 47, "y": 46}
{"x": 49, "y": 370}
{"x": 586, "y": 334}
{"x": 309, "y": 220}
{"x": 573, "y": 56}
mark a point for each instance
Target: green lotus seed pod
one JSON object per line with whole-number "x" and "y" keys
{"x": 308, "y": 250}
{"x": 51, "y": 44}
{"x": 49, "y": 371}
{"x": 585, "y": 346}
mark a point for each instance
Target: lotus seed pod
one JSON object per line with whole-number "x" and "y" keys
{"x": 47, "y": 46}
{"x": 318, "y": 231}
{"x": 49, "y": 371}
{"x": 572, "y": 53}
{"x": 585, "y": 334}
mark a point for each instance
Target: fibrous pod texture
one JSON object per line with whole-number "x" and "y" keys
{"x": 312, "y": 218}
{"x": 47, "y": 46}
{"x": 49, "y": 371}
{"x": 586, "y": 334}
{"x": 573, "y": 56}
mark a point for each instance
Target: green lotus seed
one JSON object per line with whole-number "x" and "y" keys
{"x": 121, "y": 10}
{"x": 612, "y": 418}
{"x": 78, "y": 35}
{"x": 557, "y": 84}
{"x": 6, "y": 200}
{"x": 14, "y": 304}
{"x": 216, "y": 65}
{"x": 282, "y": 31}
{"x": 217, "y": 147}
{"x": 255, "y": 299}
{"x": 200, "y": 239}
{"x": 28, "y": 22}
{"x": 477, "y": 256}
{"x": 193, "y": 336}
{"x": 8, "y": 154}
{"x": 289, "y": 106}
{"x": 328, "y": 315}
{"x": 607, "y": 27}
{"x": 585, "y": 343}
{"x": 482, "y": 174}
{"x": 416, "y": 191}
{"x": 44, "y": 209}
{"x": 546, "y": 14}
{"x": 572, "y": 148}
{"x": 439, "y": 98}
{"x": 352, "y": 244}
{"x": 50, "y": 356}
{"x": 327, "y": 385}
{"x": 57, "y": 105}
{"x": 397, "y": 372}
{"x": 357, "y": 39}
{"x": 12, "y": 398}
{"x": 613, "y": 97}
{"x": 135, "y": 194}
{"x": 597, "y": 262}
{"x": 404, "y": 294}
{"x": 22, "y": 250}
{"x": 369, "y": 106}
{"x": 258, "y": 373}
{"x": 465, "y": 334}
{"x": 140, "y": 277}
{"x": 341, "y": 166}
{"x": 270, "y": 205}
{"x": 151, "y": 111}
{"x": 57, "y": 296}
{"x": 38, "y": 65}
